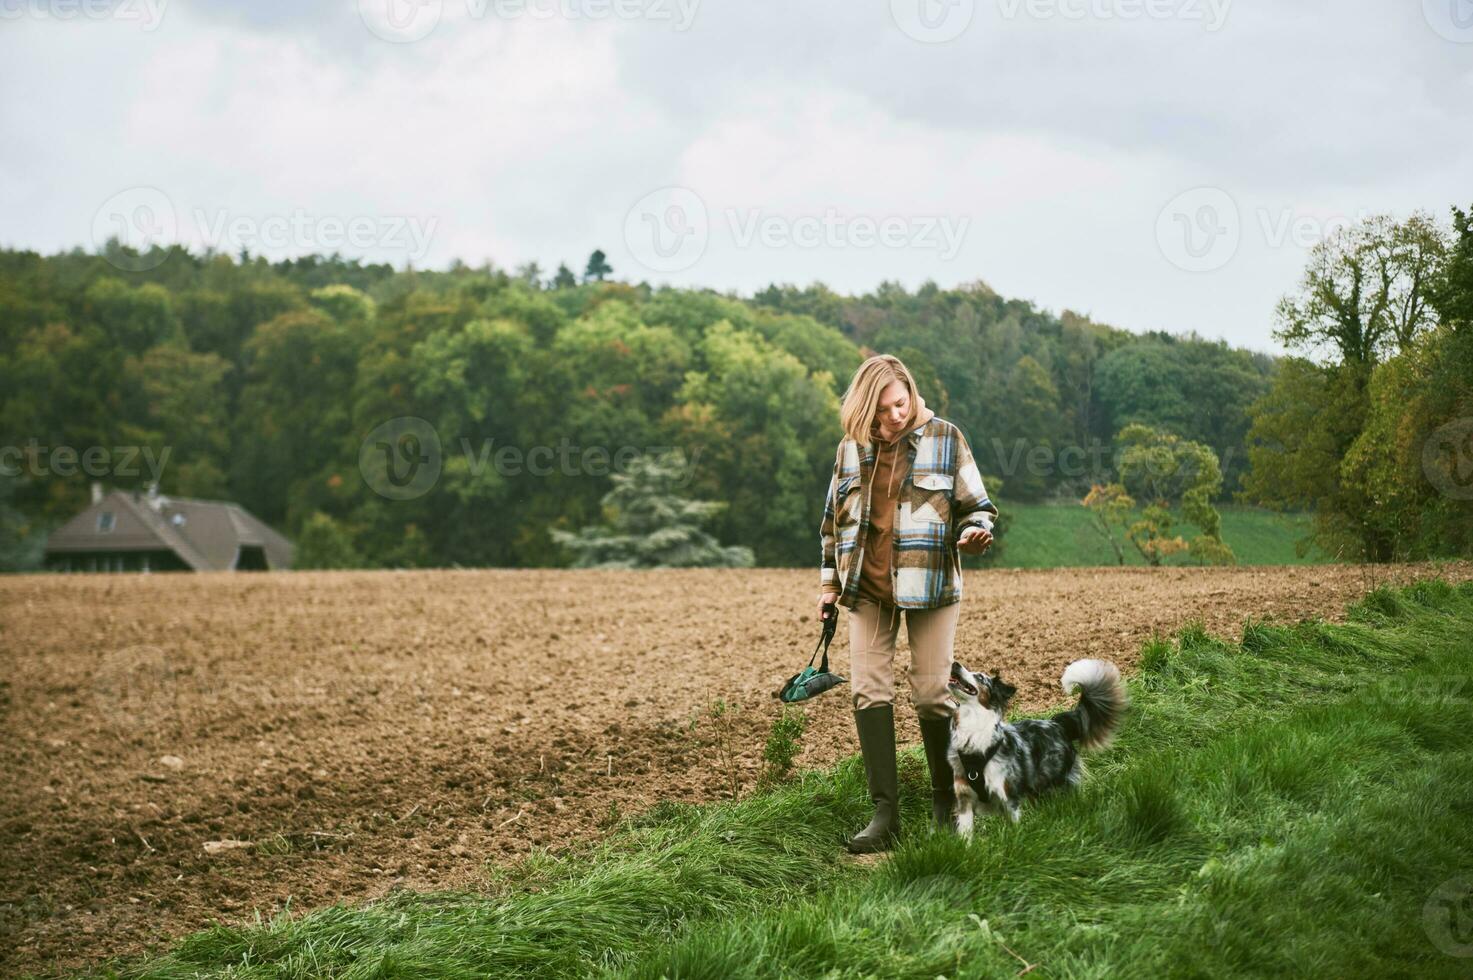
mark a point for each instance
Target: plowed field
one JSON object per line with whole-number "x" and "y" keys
{"x": 362, "y": 731}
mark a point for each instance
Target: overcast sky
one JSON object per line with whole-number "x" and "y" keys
{"x": 1155, "y": 164}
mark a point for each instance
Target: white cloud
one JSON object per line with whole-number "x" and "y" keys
{"x": 1050, "y": 143}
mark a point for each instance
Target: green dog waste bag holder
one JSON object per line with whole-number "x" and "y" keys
{"x": 808, "y": 682}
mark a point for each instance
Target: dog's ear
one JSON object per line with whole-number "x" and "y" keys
{"x": 1001, "y": 692}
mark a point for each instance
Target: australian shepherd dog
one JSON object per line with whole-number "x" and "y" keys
{"x": 997, "y": 765}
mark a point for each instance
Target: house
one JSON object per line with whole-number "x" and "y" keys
{"x": 125, "y": 531}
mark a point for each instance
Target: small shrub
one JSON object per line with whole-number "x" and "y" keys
{"x": 783, "y": 744}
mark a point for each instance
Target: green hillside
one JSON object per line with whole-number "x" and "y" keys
{"x": 1060, "y": 535}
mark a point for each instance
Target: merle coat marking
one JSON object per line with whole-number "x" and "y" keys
{"x": 996, "y": 765}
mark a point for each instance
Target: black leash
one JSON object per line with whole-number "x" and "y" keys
{"x": 830, "y": 614}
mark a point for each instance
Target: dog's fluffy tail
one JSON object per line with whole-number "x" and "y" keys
{"x": 1092, "y": 722}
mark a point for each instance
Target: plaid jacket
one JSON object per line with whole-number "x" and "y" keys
{"x": 942, "y": 495}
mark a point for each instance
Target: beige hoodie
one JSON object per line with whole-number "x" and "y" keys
{"x": 874, "y": 580}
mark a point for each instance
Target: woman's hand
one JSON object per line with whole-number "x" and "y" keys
{"x": 974, "y": 540}
{"x": 826, "y": 599}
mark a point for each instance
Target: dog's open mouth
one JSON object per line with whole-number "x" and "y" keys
{"x": 957, "y": 681}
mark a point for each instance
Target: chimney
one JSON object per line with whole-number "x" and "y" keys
{"x": 96, "y": 492}
{"x": 153, "y": 495}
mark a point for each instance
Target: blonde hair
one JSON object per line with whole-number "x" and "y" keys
{"x": 862, "y": 399}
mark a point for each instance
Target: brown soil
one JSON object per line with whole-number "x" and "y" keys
{"x": 372, "y": 730}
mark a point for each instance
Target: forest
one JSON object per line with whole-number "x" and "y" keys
{"x": 298, "y": 388}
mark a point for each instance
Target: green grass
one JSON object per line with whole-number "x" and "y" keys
{"x": 1060, "y": 536}
{"x": 1285, "y": 806}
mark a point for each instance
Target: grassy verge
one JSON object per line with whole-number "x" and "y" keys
{"x": 1283, "y": 806}
{"x": 1059, "y": 536}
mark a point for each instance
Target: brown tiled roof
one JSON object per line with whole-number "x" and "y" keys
{"x": 208, "y": 538}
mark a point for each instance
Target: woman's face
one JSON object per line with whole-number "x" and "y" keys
{"x": 894, "y": 407}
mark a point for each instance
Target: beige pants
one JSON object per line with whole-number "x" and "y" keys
{"x": 873, "y": 629}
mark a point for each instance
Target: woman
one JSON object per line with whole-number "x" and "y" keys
{"x": 905, "y": 498}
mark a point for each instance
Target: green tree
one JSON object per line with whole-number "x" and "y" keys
{"x": 1365, "y": 291}
{"x": 293, "y": 416}
{"x": 133, "y": 318}
{"x": 1162, "y": 471}
{"x": 176, "y": 402}
{"x": 650, "y": 526}
{"x": 598, "y": 266}
{"x": 22, "y": 539}
{"x": 1412, "y": 463}
{"x": 1365, "y": 296}
{"x": 324, "y": 543}
{"x": 343, "y": 303}
{"x": 763, "y": 430}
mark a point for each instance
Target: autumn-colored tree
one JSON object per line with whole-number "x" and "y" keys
{"x": 1162, "y": 471}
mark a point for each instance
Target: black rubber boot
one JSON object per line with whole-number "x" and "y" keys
{"x": 936, "y": 735}
{"x": 876, "y": 728}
